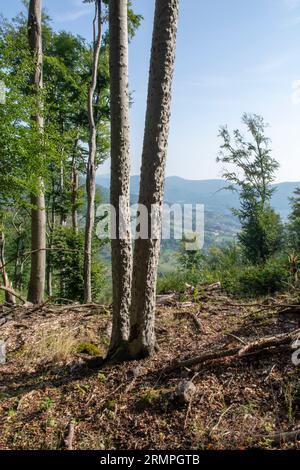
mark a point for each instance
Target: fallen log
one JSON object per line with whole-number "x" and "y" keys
{"x": 254, "y": 347}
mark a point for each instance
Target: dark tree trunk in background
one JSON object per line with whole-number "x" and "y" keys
{"x": 38, "y": 215}
{"x": 121, "y": 249}
{"x": 146, "y": 252}
{"x": 9, "y": 298}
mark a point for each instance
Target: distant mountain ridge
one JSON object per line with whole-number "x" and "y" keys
{"x": 211, "y": 193}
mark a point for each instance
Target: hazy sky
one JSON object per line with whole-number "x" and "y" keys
{"x": 232, "y": 56}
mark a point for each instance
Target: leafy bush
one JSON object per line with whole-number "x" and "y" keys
{"x": 265, "y": 279}
{"x": 237, "y": 276}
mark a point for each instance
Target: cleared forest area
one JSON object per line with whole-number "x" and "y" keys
{"x": 55, "y": 378}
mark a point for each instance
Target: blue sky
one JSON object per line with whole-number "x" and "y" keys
{"x": 232, "y": 56}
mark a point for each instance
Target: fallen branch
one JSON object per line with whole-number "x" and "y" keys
{"x": 283, "y": 437}
{"x": 12, "y": 292}
{"x": 196, "y": 321}
{"x": 165, "y": 299}
{"x": 68, "y": 441}
{"x": 268, "y": 342}
{"x": 254, "y": 347}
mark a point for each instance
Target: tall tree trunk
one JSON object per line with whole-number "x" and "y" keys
{"x": 51, "y": 228}
{"x": 120, "y": 172}
{"x": 38, "y": 214}
{"x": 146, "y": 252}
{"x": 75, "y": 185}
{"x": 91, "y": 166}
{"x": 9, "y": 298}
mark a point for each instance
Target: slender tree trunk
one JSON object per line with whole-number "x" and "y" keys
{"x": 9, "y": 298}
{"x": 75, "y": 185}
{"x": 63, "y": 216}
{"x": 146, "y": 252}
{"x": 49, "y": 254}
{"x": 38, "y": 214}
{"x": 120, "y": 172}
{"x": 91, "y": 166}
{"x": 18, "y": 275}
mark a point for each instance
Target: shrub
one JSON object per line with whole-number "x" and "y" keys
{"x": 265, "y": 279}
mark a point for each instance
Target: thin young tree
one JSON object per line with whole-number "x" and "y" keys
{"x": 121, "y": 249}
{"x": 38, "y": 213}
{"x": 91, "y": 165}
{"x": 146, "y": 253}
{"x": 250, "y": 170}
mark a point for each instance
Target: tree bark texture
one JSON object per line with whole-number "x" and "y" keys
{"x": 146, "y": 252}
{"x": 38, "y": 214}
{"x": 121, "y": 249}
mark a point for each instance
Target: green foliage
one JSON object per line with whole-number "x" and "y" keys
{"x": 264, "y": 279}
{"x": 294, "y": 222}
{"x": 190, "y": 259}
{"x": 237, "y": 276}
{"x": 67, "y": 259}
{"x": 88, "y": 348}
{"x": 261, "y": 235}
{"x": 252, "y": 174}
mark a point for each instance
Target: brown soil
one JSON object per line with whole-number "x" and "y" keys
{"x": 239, "y": 403}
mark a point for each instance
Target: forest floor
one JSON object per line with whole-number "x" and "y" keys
{"x": 47, "y": 386}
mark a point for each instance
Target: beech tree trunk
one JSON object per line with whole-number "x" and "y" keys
{"x": 121, "y": 250}
{"x": 146, "y": 252}
{"x": 91, "y": 166}
{"x": 38, "y": 214}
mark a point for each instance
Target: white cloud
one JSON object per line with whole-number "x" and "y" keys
{"x": 71, "y": 16}
{"x": 76, "y": 11}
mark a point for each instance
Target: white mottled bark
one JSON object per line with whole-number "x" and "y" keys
{"x": 120, "y": 172}
{"x": 146, "y": 253}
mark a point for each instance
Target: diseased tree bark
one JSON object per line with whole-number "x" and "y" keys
{"x": 120, "y": 172}
{"x": 38, "y": 214}
{"x": 91, "y": 166}
{"x": 146, "y": 252}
